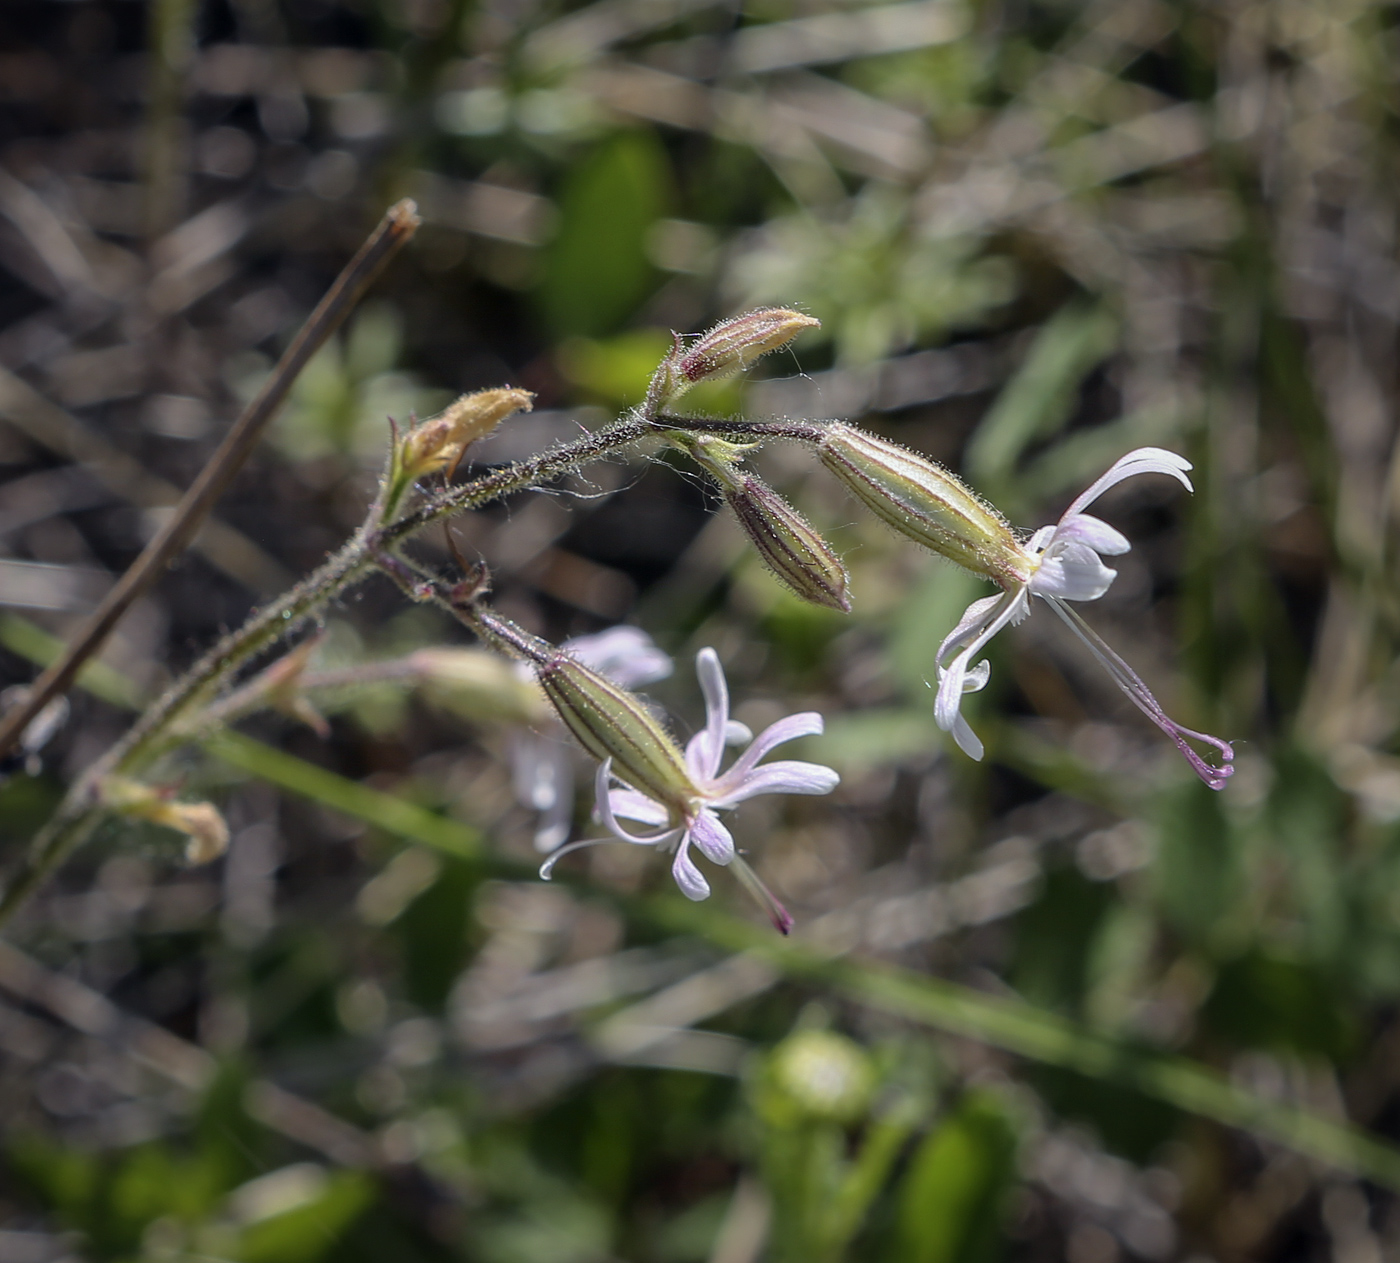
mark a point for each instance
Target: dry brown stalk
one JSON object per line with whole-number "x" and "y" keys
{"x": 397, "y": 226}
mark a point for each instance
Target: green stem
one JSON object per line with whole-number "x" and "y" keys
{"x": 156, "y": 730}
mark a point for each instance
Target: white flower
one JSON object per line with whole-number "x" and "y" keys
{"x": 542, "y": 764}
{"x": 713, "y": 791}
{"x": 1065, "y": 563}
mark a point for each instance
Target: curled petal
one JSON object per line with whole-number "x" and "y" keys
{"x": 693, "y": 885}
{"x": 1072, "y": 572}
{"x": 627, "y": 804}
{"x": 1144, "y": 460}
{"x": 967, "y": 740}
{"x": 716, "y": 843}
{"x": 786, "y": 776}
{"x": 603, "y": 802}
{"x": 708, "y": 746}
{"x": 547, "y": 868}
{"x": 806, "y": 724}
{"x": 974, "y": 619}
{"x": 959, "y": 676}
{"x": 976, "y": 678}
{"x": 1096, "y": 533}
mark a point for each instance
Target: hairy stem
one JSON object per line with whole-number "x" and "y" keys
{"x": 397, "y": 226}
{"x": 373, "y": 546}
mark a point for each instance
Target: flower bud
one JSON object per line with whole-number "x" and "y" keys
{"x": 789, "y": 545}
{"x": 441, "y": 441}
{"x": 732, "y": 345}
{"x": 925, "y": 502}
{"x": 479, "y": 685}
{"x": 816, "y": 1075}
{"x": 611, "y": 723}
{"x": 201, "y": 822}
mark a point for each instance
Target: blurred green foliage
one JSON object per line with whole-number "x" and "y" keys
{"x": 1038, "y": 238}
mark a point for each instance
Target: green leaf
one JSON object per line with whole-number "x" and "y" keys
{"x": 951, "y": 1199}
{"x": 1039, "y": 399}
{"x": 596, "y": 268}
{"x": 309, "y": 1231}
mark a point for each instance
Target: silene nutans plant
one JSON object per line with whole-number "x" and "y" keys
{"x": 649, "y": 790}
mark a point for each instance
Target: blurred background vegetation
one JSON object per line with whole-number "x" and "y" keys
{"x": 1031, "y": 1001}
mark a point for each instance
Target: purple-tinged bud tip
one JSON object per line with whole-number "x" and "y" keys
{"x": 733, "y": 345}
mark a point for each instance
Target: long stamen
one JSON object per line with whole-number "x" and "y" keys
{"x": 1141, "y": 696}
{"x": 750, "y": 880}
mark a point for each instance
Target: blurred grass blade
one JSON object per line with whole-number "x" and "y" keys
{"x": 29, "y": 640}
{"x": 1039, "y": 399}
{"x": 384, "y": 811}
{"x": 1008, "y": 1024}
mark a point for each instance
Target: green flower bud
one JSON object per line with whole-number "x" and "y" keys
{"x": 437, "y": 443}
{"x": 925, "y": 502}
{"x": 789, "y": 545}
{"x": 611, "y": 723}
{"x": 730, "y": 347}
{"x": 441, "y": 442}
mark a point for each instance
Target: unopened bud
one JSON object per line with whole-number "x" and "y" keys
{"x": 925, "y": 502}
{"x": 440, "y": 442}
{"x": 789, "y": 545}
{"x": 732, "y": 345}
{"x": 728, "y": 348}
{"x": 480, "y": 685}
{"x": 611, "y": 723}
{"x": 202, "y": 823}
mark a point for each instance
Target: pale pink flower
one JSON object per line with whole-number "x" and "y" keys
{"x": 1064, "y": 563}
{"x": 542, "y": 763}
{"x": 713, "y": 791}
